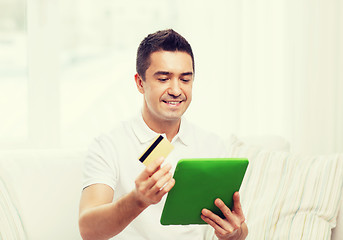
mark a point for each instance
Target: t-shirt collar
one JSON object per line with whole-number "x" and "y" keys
{"x": 145, "y": 134}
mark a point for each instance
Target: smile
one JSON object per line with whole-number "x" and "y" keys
{"x": 174, "y": 103}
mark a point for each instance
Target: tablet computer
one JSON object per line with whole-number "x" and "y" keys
{"x": 198, "y": 182}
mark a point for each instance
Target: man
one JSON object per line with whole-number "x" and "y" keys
{"x": 121, "y": 196}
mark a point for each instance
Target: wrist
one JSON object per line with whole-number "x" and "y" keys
{"x": 137, "y": 201}
{"x": 238, "y": 235}
{"x": 243, "y": 232}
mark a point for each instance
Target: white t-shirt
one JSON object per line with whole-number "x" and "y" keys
{"x": 113, "y": 160}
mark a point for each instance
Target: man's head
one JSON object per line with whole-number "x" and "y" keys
{"x": 165, "y": 40}
{"x": 165, "y": 73}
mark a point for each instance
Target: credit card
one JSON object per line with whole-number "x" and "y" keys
{"x": 160, "y": 147}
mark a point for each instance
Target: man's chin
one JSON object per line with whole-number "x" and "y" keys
{"x": 172, "y": 117}
{"x": 172, "y": 114}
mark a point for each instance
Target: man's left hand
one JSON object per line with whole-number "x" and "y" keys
{"x": 233, "y": 225}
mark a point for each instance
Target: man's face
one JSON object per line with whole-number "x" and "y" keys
{"x": 167, "y": 88}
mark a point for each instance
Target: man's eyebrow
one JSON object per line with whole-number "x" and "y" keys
{"x": 169, "y": 73}
{"x": 187, "y": 74}
{"x": 161, "y": 73}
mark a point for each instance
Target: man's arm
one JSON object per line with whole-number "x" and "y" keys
{"x": 233, "y": 226}
{"x": 100, "y": 218}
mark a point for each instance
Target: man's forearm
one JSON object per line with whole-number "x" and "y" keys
{"x": 106, "y": 221}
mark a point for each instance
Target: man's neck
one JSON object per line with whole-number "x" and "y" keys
{"x": 170, "y": 128}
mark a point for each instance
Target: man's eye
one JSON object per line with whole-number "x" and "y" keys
{"x": 163, "y": 79}
{"x": 185, "y": 80}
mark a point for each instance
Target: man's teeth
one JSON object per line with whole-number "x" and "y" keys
{"x": 172, "y": 103}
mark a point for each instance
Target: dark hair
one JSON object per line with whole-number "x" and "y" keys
{"x": 165, "y": 40}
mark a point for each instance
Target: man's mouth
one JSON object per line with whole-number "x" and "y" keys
{"x": 174, "y": 103}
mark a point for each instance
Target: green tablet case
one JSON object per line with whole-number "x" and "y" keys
{"x": 198, "y": 182}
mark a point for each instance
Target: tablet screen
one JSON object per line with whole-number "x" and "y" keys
{"x": 198, "y": 182}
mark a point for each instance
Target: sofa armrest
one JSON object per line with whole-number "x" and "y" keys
{"x": 337, "y": 232}
{"x": 46, "y": 184}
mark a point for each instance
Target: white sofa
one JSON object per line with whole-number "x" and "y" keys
{"x": 40, "y": 192}
{"x": 45, "y": 188}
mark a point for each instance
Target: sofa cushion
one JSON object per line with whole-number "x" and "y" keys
{"x": 290, "y": 196}
{"x": 47, "y": 185}
{"x": 10, "y": 223}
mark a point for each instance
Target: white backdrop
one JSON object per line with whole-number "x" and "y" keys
{"x": 262, "y": 67}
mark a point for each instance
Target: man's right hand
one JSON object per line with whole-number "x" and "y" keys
{"x": 101, "y": 218}
{"x": 153, "y": 183}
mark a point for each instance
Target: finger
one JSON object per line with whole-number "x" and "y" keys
{"x": 215, "y": 218}
{"x": 161, "y": 182}
{"x": 169, "y": 185}
{"x": 226, "y": 235}
{"x": 150, "y": 169}
{"x": 157, "y": 192}
{"x": 221, "y": 235}
{"x": 154, "y": 166}
{"x": 237, "y": 207}
{"x": 158, "y": 177}
{"x": 225, "y": 210}
{"x": 231, "y": 218}
{"x": 213, "y": 224}
{"x": 166, "y": 188}
{"x": 218, "y": 230}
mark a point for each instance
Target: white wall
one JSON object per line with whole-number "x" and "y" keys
{"x": 262, "y": 67}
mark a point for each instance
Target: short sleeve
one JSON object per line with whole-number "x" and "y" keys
{"x": 100, "y": 165}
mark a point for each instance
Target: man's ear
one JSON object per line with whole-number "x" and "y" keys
{"x": 139, "y": 83}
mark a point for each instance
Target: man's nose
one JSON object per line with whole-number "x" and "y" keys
{"x": 174, "y": 88}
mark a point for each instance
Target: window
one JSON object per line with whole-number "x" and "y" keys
{"x": 13, "y": 73}
{"x": 97, "y": 62}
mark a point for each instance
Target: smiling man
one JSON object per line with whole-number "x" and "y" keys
{"x": 167, "y": 89}
{"x": 123, "y": 199}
